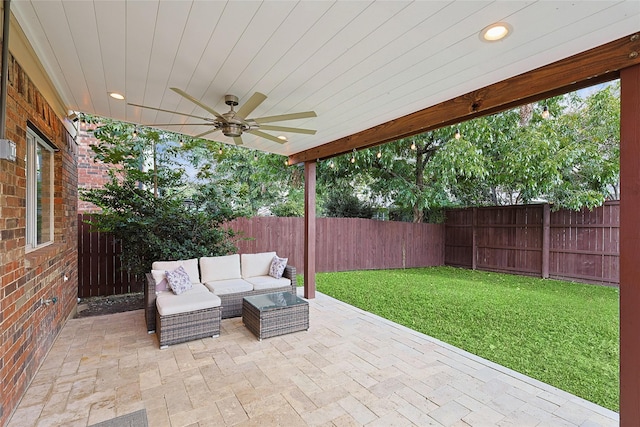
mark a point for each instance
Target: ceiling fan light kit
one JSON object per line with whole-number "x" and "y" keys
{"x": 234, "y": 123}
{"x": 233, "y": 130}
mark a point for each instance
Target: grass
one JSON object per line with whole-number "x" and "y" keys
{"x": 562, "y": 333}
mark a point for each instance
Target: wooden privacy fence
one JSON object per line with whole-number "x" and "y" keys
{"x": 532, "y": 240}
{"x": 342, "y": 244}
{"x": 527, "y": 239}
{"x": 99, "y": 267}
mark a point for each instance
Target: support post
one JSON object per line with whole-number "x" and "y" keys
{"x": 474, "y": 238}
{"x": 310, "y": 229}
{"x": 546, "y": 239}
{"x": 629, "y": 246}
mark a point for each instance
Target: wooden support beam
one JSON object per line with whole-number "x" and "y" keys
{"x": 629, "y": 247}
{"x": 474, "y": 239}
{"x": 310, "y": 229}
{"x": 576, "y": 72}
{"x": 546, "y": 239}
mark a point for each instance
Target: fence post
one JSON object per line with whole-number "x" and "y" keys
{"x": 546, "y": 237}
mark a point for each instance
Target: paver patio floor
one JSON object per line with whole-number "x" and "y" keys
{"x": 351, "y": 368}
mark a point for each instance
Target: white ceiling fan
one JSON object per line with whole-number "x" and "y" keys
{"x": 234, "y": 123}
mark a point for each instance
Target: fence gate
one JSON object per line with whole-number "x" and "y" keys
{"x": 99, "y": 267}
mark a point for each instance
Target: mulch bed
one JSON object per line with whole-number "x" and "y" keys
{"x": 97, "y": 306}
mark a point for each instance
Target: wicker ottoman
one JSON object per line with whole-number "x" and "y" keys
{"x": 274, "y": 314}
{"x": 186, "y": 317}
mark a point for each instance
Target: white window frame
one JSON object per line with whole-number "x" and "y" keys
{"x": 33, "y": 142}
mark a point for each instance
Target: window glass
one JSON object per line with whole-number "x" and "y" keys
{"x": 39, "y": 191}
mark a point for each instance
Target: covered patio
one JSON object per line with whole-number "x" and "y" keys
{"x": 351, "y": 368}
{"x": 373, "y": 72}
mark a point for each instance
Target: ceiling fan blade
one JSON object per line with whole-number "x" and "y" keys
{"x": 238, "y": 140}
{"x": 169, "y": 111}
{"x": 267, "y": 136}
{"x": 283, "y": 117}
{"x": 200, "y": 135}
{"x": 195, "y": 101}
{"x": 251, "y": 104}
{"x": 179, "y": 124}
{"x": 288, "y": 129}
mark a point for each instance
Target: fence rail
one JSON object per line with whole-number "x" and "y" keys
{"x": 532, "y": 240}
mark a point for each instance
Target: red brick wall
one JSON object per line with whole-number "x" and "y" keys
{"x": 90, "y": 174}
{"x": 28, "y": 328}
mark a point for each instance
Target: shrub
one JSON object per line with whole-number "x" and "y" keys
{"x": 158, "y": 228}
{"x": 340, "y": 205}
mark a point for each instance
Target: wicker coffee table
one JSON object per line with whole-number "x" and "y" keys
{"x": 270, "y": 315}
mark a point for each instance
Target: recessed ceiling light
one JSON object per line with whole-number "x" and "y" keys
{"x": 116, "y": 95}
{"x": 495, "y": 32}
{"x": 282, "y": 138}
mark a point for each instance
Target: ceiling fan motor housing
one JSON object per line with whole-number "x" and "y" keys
{"x": 232, "y": 129}
{"x": 231, "y": 100}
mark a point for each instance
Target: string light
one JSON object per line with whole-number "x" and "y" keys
{"x": 413, "y": 146}
{"x": 353, "y": 157}
{"x": 286, "y": 162}
{"x": 545, "y": 112}
{"x": 457, "y": 134}
{"x": 135, "y": 133}
{"x": 331, "y": 165}
{"x": 220, "y": 151}
{"x": 379, "y": 154}
{"x": 255, "y": 157}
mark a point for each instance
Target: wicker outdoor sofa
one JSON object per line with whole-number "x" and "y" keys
{"x": 219, "y": 286}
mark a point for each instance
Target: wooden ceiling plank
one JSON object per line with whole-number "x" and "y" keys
{"x": 582, "y": 70}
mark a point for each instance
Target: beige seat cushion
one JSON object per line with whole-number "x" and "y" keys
{"x": 256, "y": 264}
{"x": 197, "y": 288}
{"x": 190, "y": 266}
{"x": 169, "y": 303}
{"x": 268, "y": 282}
{"x": 231, "y": 286}
{"x": 220, "y": 268}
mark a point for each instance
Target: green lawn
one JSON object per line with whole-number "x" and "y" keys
{"x": 562, "y": 333}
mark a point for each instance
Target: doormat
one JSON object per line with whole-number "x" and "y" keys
{"x": 134, "y": 419}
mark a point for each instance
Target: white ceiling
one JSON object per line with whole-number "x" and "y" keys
{"x": 356, "y": 63}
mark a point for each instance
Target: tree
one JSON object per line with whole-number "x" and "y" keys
{"x": 175, "y": 221}
{"x": 570, "y": 160}
{"x": 414, "y": 173}
{"x": 592, "y": 173}
{"x": 257, "y": 182}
